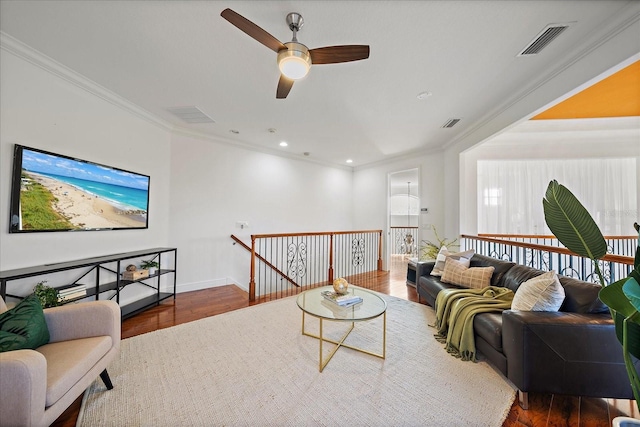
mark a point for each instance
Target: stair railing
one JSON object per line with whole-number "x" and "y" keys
{"x": 404, "y": 241}
{"x": 284, "y": 264}
{"x": 545, "y": 257}
{"x": 616, "y": 245}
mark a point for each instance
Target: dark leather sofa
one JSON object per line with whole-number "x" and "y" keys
{"x": 573, "y": 351}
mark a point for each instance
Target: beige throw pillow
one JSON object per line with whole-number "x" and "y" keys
{"x": 463, "y": 257}
{"x": 458, "y": 274}
{"x": 540, "y": 293}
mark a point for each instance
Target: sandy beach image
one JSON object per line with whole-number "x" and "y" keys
{"x": 86, "y": 210}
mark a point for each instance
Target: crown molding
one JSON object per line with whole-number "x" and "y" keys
{"x": 401, "y": 157}
{"x": 631, "y": 16}
{"x": 29, "y": 54}
{"x": 243, "y": 145}
{"x": 42, "y": 61}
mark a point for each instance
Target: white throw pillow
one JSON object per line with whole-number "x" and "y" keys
{"x": 540, "y": 293}
{"x": 462, "y": 257}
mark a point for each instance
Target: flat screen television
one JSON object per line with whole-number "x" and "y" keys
{"x": 54, "y": 192}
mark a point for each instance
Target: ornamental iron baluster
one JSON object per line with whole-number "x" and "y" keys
{"x": 545, "y": 261}
{"x": 297, "y": 259}
{"x": 357, "y": 251}
{"x": 528, "y": 257}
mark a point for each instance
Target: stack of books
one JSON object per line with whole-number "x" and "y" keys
{"x": 73, "y": 292}
{"x": 343, "y": 300}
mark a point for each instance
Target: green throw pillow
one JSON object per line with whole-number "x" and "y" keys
{"x": 23, "y": 326}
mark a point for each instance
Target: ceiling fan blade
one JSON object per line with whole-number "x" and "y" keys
{"x": 336, "y": 54}
{"x": 284, "y": 86}
{"x": 252, "y": 30}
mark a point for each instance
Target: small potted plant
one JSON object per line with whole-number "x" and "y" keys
{"x": 429, "y": 250}
{"x": 150, "y": 265}
{"x": 47, "y": 295}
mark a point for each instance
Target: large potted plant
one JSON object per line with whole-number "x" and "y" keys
{"x": 572, "y": 224}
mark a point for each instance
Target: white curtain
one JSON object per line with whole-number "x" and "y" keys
{"x": 510, "y": 193}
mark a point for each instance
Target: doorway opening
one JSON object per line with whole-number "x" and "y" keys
{"x": 403, "y": 238}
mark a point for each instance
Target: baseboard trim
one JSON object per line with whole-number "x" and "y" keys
{"x": 196, "y": 286}
{"x": 243, "y": 286}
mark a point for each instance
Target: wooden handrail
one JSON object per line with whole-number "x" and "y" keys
{"x": 319, "y": 233}
{"x": 545, "y": 236}
{"x": 608, "y": 257}
{"x": 261, "y": 258}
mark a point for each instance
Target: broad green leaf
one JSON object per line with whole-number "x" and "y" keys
{"x": 614, "y": 297}
{"x": 633, "y": 335}
{"x": 571, "y": 223}
{"x": 631, "y": 290}
{"x": 636, "y": 261}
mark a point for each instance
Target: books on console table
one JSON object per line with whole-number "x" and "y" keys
{"x": 72, "y": 293}
{"x": 343, "y": 300}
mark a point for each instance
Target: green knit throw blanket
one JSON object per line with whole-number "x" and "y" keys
{"x": 455, "y": 311}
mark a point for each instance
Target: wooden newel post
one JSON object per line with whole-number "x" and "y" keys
{"x": 252, "y": 281}
{"x": 380, "y": 250}
{"x": 330, "y": 258}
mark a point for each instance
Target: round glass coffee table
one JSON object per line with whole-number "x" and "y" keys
{"x": 312, "y": 302}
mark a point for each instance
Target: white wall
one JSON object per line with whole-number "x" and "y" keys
{"x": 41, "y": 110}
{"x": 199, "y": 188}
{"x": 370, "y": 193}
{"x": 214, "y": 185}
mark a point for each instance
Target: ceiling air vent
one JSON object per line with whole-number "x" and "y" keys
{"x": 450, "y": 123}
{"x": 191, "y": 114}
{"x": 545, "y": 37}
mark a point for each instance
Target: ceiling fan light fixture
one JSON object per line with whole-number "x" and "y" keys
{"x": 295, "y": 59}
{"x": 294, "y": 63}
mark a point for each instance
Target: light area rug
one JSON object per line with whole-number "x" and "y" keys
{"x": 253, "y": 367}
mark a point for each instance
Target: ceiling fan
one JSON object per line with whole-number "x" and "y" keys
{"x": 295, "y": 59}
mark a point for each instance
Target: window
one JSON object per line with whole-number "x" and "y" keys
{"x": 492, "y": 196}
{"x": 510, "y": 193}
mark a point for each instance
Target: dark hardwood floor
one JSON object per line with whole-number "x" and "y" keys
{"x": 545, "y": 410}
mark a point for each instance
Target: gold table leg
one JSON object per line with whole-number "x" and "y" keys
{"x": 322, "y": 363}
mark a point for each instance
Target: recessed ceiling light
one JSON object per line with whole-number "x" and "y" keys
{"x": 234, "y": 131}
{"x": 349, "y": 161}
{"x": 283, "y": 144}
{"x": 424, "y": 95}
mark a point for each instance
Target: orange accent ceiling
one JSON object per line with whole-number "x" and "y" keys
{"x": 616, "y": 96}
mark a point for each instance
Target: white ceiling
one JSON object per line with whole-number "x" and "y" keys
{"x": 163, "y": 54}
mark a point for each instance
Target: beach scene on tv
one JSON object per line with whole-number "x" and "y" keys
{"x": 58, "y": 193}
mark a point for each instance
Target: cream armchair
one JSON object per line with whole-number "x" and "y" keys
{"x": 36, "y": 386}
